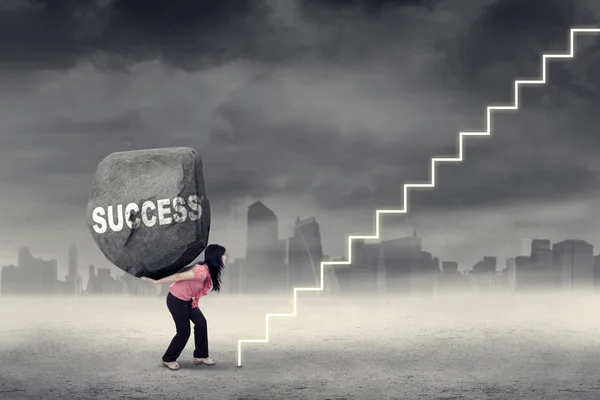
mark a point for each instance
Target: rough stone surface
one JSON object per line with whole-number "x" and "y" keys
{"x": 139, "y": 248}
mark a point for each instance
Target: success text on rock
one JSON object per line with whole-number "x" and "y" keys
{"x": 164, "y": 212}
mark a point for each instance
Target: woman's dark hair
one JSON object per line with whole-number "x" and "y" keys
{"x": 213, "y": 257}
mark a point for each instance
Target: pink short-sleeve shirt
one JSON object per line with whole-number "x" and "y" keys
{"x": 193, "y": 289}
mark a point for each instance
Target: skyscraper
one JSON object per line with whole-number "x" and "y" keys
{"x": 450, "y": 267}
{"x": 73, "y": 282}
{"x": 265, "y": 269}
{"x": 542, "y": 264}
{"x": 232, "y": 276}
{"x": 511, "y": 275}
{"x": 574, "y": 261}
{"x": 305, "y": 254}
{"x": 482, "y": 277}
{"x": 361, "y": 276}
{"x": 485, "y": 266}
{"x": 402, "y": 258}
{"x": 523, "y": 273}
{"x": 597, "y": 272}
{"x": 32, "y": 275}
{"x": 539, "y": 245}
{"x": 93, "y": 285}
{"x": 40, "y": 276}
{"x": 450, "y": 279}
{"x": 73, "y": 261}
{"x": 10, "y": 281}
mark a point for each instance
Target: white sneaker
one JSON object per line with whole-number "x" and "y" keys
{"x": 206, "y": 361}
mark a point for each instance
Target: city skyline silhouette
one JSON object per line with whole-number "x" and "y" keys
{"x": 272, "y": 265}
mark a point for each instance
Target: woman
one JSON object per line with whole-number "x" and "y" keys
{"x": 185, "y": 291}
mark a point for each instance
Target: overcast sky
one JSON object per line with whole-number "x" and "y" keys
{"x": 316, "y": 110}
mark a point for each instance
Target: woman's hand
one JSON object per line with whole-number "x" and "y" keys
{"x": 144, "y": 278}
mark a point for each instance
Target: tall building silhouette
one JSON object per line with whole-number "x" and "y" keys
{"x": 450, "y": 267}
{"x": 450, "y": 279}
{"x": 305, "y": 254}
{"x": 482, "y": 276}
{"x": 35, "y": 276}
{"x": 101, "y": 282}
{"x": 134, "y": 286}
{"x": 73, "y": 281}
{"x": 9, "y": 280}
{"x": 511, "y": 275}
{"x": 361, "y": 277}
{"x": 232, "y": 275}
{"x": 574, "y": 261}
{"x": 73, "y": 261}
{"x": 402, "y": 259}
{"x": 597, "y": 272}
{"x": 524, "y": 273}
{"x": 423, "y": 279}
{"x": 31, "y": 275}
{"x": 542, "y": 264}
{"x": 93, "y": 285}
{"x": 485, "y": 266}
{"x": 265, "y": 269}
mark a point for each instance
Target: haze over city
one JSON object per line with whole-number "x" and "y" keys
{"x": 272, "y": 265}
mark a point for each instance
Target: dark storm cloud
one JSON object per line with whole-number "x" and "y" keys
{"x": 470, "y": 54}
{"x": 528, "y": 161}
{"x": 507, "y": 40}
{"x": 185, "y": 33}
{"x": 57, "y": 33}
{"x": 372, "y": 7}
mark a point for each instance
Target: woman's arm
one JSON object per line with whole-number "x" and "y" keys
{"x": 180, "y": 276}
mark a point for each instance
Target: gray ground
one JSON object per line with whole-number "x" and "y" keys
{"x": 471, "y": 347}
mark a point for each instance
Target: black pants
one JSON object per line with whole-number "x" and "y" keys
{"x": 182, "y": 313}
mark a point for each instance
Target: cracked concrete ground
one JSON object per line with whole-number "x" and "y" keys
{"x": 468, "y": 347}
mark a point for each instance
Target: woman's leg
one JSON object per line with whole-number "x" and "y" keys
{"x": 200, "y": 333}
{"x": 180, "y": 311}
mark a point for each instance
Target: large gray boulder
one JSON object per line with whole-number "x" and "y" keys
{"x": 148, "y": 211}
